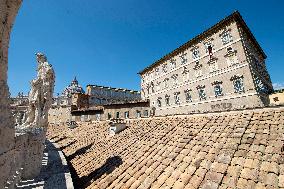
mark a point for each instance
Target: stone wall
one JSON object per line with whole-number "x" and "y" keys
{"x": 8, "y": 12}
{"x": 20, "y": 152}
{"x": 277, "y": 98}
{"x": 59, "y": 114}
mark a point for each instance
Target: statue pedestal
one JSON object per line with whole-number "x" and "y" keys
{"x": 30, "y": 147}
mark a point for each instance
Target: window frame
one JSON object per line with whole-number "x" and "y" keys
{"x": 183, "y": 58}
{"x": 188, "y": 96}
{"x": 201, "y": 92}
{"x": 167, "y": 100}
{"x": 226, "y": 36}
{"x": 220, "y": 93}
{"x": 177, "y": 98}
{"x": 195, "y": 53}
{"x": 240, "y": 79}
{"x": 126, "y": 114}
{"x": 159, "y": 102}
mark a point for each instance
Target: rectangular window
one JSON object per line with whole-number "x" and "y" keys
{"x": 183, "y": 58}
{"x": 208, "y": 45}
{"x": 126, "y": 115}
{"x": 167, "y": 100}
{"x": 177, "y": 98}
{"x": 218, "y": 90}
{"x": 109, "y": 116}
{"x": 157, "y": 71}
{"x": 226, "y": 37}
{"x": 202, "y": 94}
{"x": 260, "y": 87}
{"x": 159, "y": 102}
{"x": 138, "y": 114}
{"x": 195, "y": 53}
{"x": 166, "y": 83}
{"x": 175, "y": 79}
{"x": 172, "y": 64}
{"x": 239, "y": 85}
{"x": 165, "y": 68}
{"x": 117, "y": 115}
{"x": 188, "y": 96}
{"x": 146, "y": 113}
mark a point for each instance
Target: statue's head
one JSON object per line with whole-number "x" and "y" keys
{"x": 40, "y": 57}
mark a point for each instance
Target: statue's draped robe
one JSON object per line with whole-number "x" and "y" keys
{"x": 40, "y": 96}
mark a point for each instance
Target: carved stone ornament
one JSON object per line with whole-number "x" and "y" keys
{"x": 200, "y": 86}
{"x": 212, "y": 60}
{"x": 185, "y": 70}
{"x": 216, "y": 82}
{"x": 230, "y": 53}
{"x": 234, "y": 77}
{"x": 197, "y": 66}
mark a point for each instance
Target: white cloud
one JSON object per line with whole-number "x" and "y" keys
{"x": 277, "y": 86}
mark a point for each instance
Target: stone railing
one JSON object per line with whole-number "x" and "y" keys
{"x": 27, "y": 155}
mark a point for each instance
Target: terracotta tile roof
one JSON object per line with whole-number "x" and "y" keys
{"x": 241, "y": 149}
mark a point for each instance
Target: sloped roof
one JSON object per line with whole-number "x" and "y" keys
{"x": 236, "y": 16}
{"x": 240, "y": 149}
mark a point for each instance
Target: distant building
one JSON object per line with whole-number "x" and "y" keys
{"x": 19, "y": 106}
{"x": 60, "y": 111}
{"x": 119, "y": 110}
{"x": 101, "y": 95}
{"x": 65, "y": 98}
{"x": 107, "y": 102}
{"x": 222, "y": 68}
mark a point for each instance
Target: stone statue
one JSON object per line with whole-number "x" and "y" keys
{"x": 40, "y": 95}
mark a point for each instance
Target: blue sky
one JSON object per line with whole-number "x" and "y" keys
{"x": 108, "y": 42}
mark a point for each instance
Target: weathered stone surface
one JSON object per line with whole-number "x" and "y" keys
{"x": 8, "y": 12}
{"x": 40, "y": 95}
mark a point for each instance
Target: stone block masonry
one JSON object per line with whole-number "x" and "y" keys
{"x": 8, "y": 12}
{"x": 21, "y": 152}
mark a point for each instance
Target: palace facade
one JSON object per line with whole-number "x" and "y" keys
{"x": 221, "y": 69}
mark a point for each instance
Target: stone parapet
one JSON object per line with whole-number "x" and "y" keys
{"x": 8, "y": 12}
{"x": 24, "y": 161}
